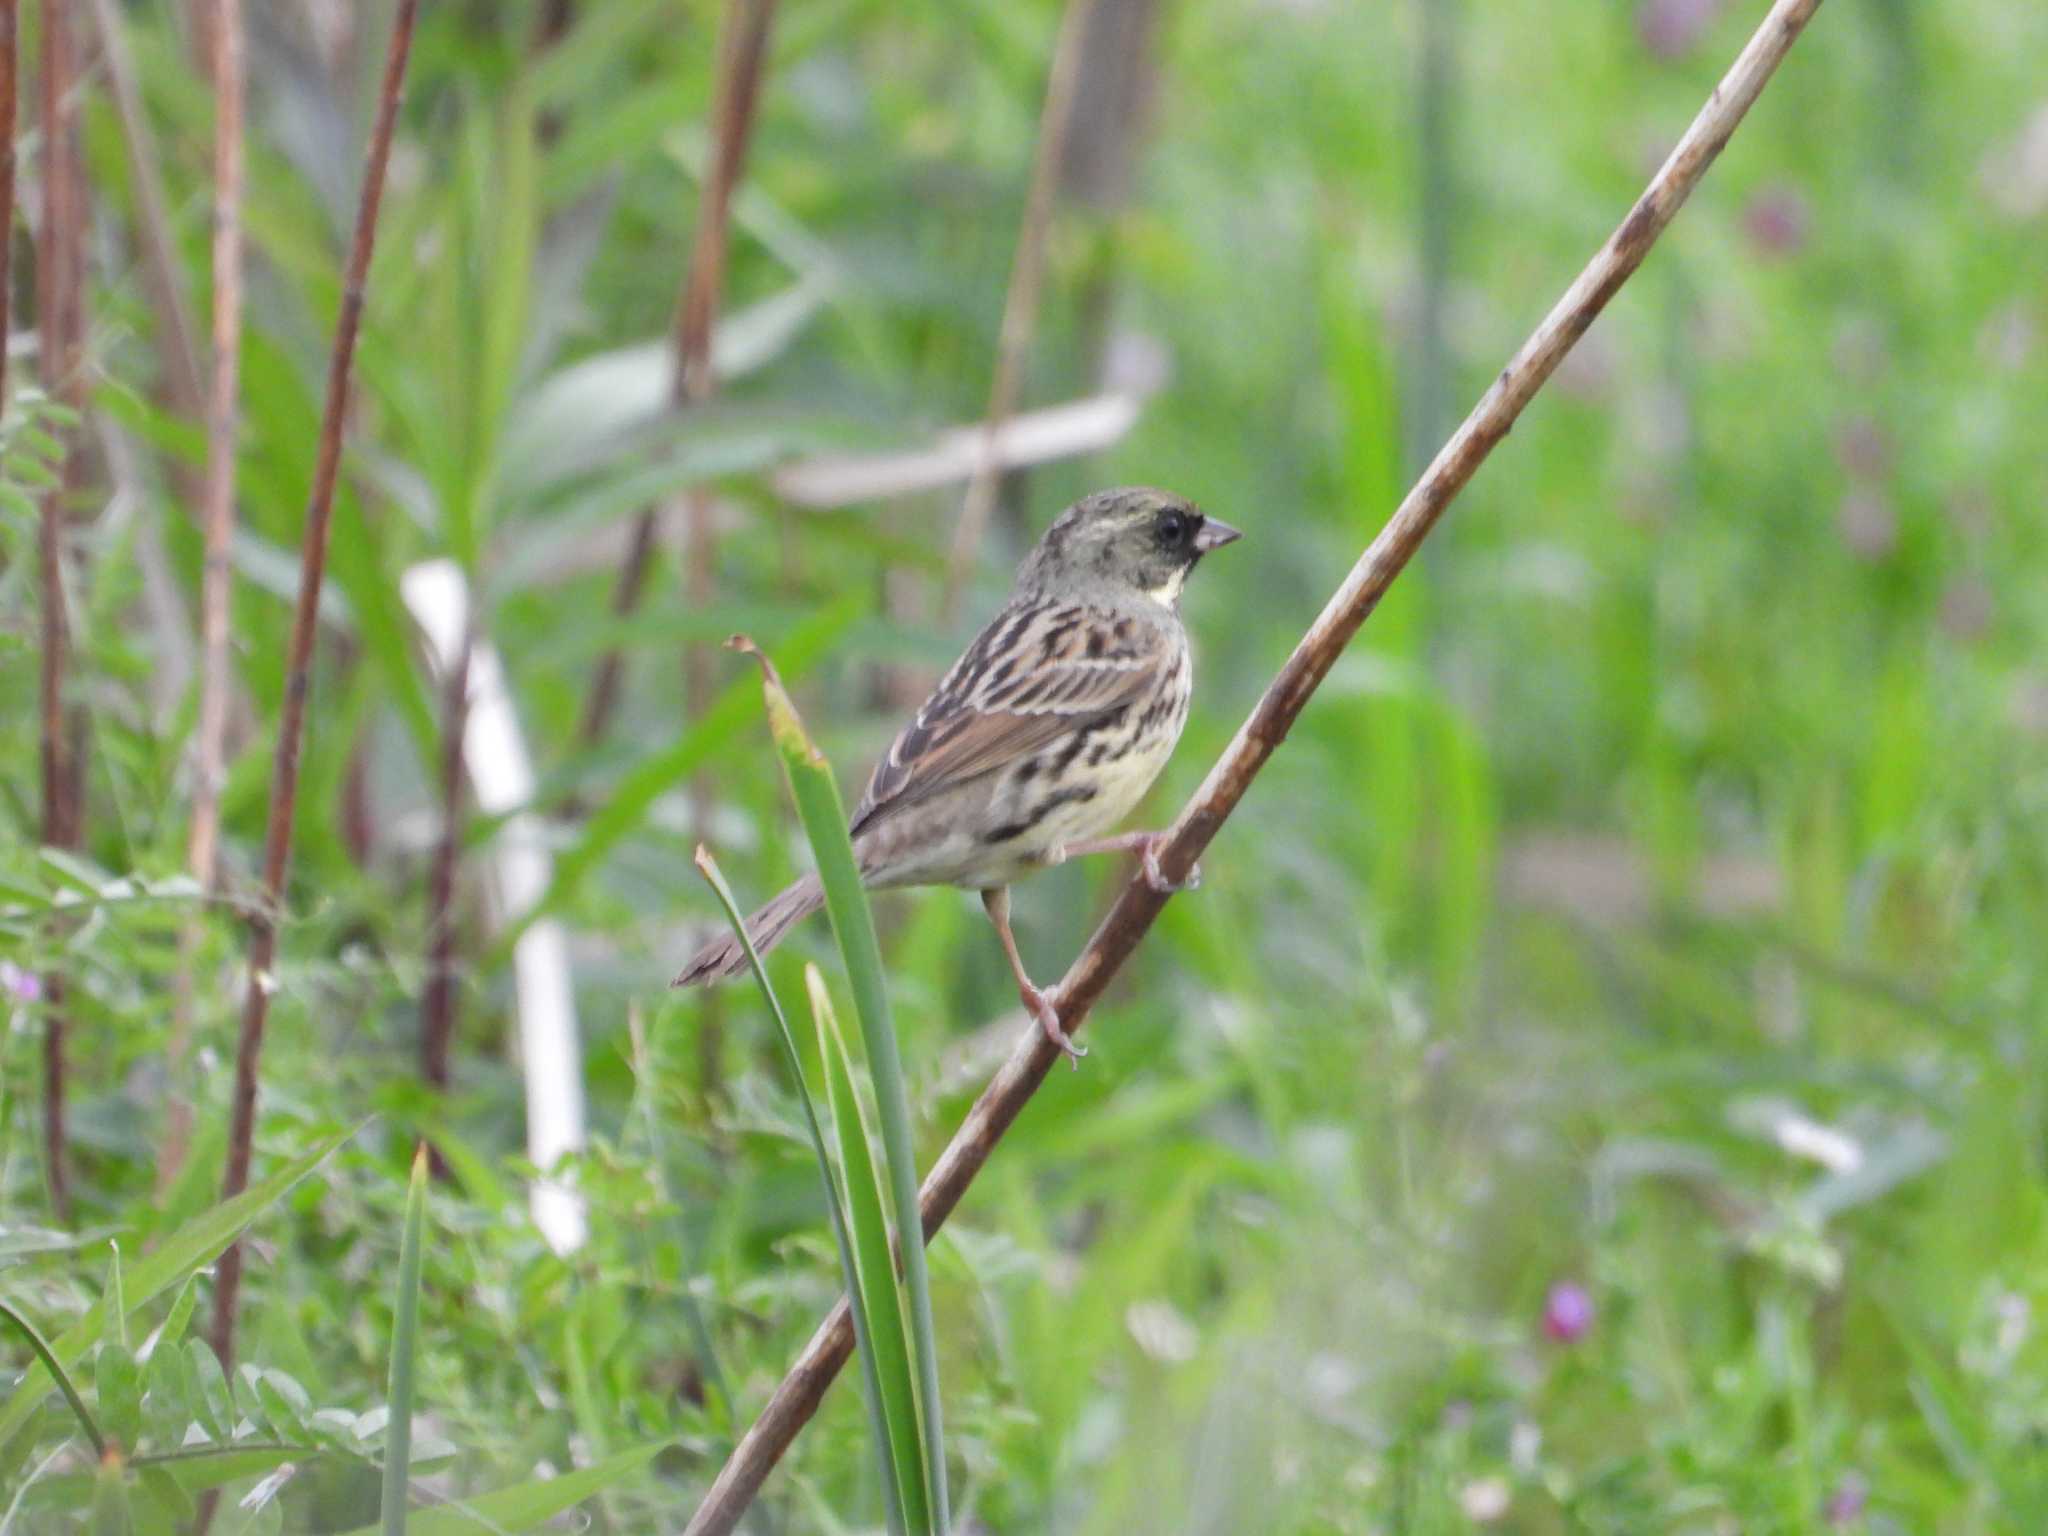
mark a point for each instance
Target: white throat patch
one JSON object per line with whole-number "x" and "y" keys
{"x": 1167, "y": 594}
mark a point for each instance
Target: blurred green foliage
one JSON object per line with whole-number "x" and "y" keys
{"x": 1651, "y": 903}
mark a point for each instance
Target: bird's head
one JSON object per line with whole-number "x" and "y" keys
{"x": 1133, "y": 539}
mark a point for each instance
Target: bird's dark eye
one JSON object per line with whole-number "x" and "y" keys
{"x": 1174, "y": 528}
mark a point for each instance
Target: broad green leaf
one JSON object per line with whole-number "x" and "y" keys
{"x": 159, "y": 1488}
{"x": 283, "y": 1401}
{"x": 207, "y": 1387}
{"x": 523, "y": 1506}
{"x": 119, "y": 1388}
{"x": 192, "y": 1246}
{"x": 172, "y": 1330}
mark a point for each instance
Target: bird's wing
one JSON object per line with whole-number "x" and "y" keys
{"x": 1043, "y": 669}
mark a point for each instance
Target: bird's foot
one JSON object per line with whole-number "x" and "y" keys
{"x": 1040, "y": 1006}
{"x": 1145, "y": 844}
{"x": 1156, "y": 877}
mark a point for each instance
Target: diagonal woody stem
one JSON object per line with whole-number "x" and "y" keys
{"x": 797, "y": 1398}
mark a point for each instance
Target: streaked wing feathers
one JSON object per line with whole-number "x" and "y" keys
{"x": 1042, "y": 669}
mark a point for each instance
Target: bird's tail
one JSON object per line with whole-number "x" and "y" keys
{"x": 723, "y": 958}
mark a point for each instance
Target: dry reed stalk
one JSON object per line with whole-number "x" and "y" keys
{"x": 217, "y": 519}
{"x": 284, "y": 785}
{"x": 60, "y": 319}
{"x": 1137, "y": 905}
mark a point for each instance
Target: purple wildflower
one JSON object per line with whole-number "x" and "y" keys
{"x": 1847, "y": 1502}
{"x": 1567, "y": 1313}
{"x": 22, "y": 986}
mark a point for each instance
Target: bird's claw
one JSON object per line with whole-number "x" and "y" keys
{"x": 1156, "y": 877}
{"x": 1041, "y": 1008}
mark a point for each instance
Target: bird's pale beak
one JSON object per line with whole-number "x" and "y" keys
{"x": 1214, "y": 534}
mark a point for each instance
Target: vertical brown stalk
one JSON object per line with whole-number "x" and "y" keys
{"x": 437, "y": 1001}
{"x": 1020, "y": 303}
{"x": 284, "y": 783}
{"x": 217, "y": 516}
{"x": 743, "y": 48}
{"x": 60, "y": 318}
{"x": 1138, "y": 904}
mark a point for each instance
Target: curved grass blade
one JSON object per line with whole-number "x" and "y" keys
{"x": 823, "y": 815}
{"x": 405, "y": 1325}
{"x": 866, "y": 1200}
{"x": 863, "y": 1338}
{"x": 41, "y": 1348}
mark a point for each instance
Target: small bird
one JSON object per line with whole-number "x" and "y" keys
{"x": 1044, "y": 735}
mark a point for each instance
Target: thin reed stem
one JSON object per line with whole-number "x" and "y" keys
{"x": 284, "y": 784}
{"x": 1138, "y": 905}
{"x": 60, "y": 318}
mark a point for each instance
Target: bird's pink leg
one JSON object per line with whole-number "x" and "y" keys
{"x": 1145, "y": 844}
{"x": 1036, "y": 1003}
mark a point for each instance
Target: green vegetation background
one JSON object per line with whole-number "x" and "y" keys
{"x": 1651, "y": 907}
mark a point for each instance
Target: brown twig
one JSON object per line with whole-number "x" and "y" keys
{"x": 1020, "y": 303}
{"x": 217, "y": 516}
{"x": 438, "y": 999}
{"x": 743, "y": 49}
{"x": 10, "y": 36}
{"x": 60, "y": 318}
{"x": 1137, "y": 905}
{"x": 284, "y": 783}
{"x": 182, "y": 387}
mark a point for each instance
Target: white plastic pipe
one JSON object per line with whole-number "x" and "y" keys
{"x": 495, "y": 754}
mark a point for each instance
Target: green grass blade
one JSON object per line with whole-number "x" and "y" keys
{"x": 199, "y": 1242}
{"x": 40, "y": 1347}
{"x": 405, "y": 1326}
{"x": 863, "y": 1336}
{"x": 118, "y": 1293}
{"x": 866, "y": 1202}
{"x": 824, "y": 818}
{"x": 523, "y": 1506}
